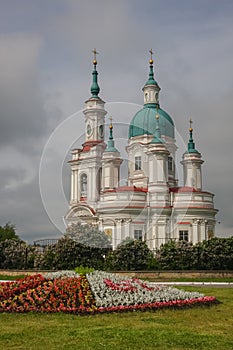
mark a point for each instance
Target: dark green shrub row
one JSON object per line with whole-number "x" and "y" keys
{"x": 67, "y": 253}
{"x": 214, "y": 254}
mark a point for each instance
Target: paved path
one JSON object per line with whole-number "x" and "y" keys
{"x": 194, "y": 284}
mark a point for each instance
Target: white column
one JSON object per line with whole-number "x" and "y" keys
{"x": 118, "y": 231}
{"x": 75, "y": 185}
{"x": 72, "y": 186}
{"x": 195, "y": 232}
{"x": 100, "y": 224}
{"x": 203, "y": 230}
{"x": 114, "y": 237}
{"x": 127, "y": 228}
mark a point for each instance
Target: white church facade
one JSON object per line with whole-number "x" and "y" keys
{"x": 152, "y": 206}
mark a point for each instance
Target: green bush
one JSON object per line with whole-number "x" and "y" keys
{"x": 15, "y": 254}
{"x": 132, "y": 255}
{"x": 83, "y": 270}
{"x": 214, "y": 254}
{"x": 175, "y": 256}
{"x": 67, "y": 254}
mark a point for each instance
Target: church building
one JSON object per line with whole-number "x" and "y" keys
{"x": 152, "y": 206}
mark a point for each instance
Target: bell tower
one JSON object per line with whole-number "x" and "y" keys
{"x": 94, "y": 111}
{"x": 86, "y": 169}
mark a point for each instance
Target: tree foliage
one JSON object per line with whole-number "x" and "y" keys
{"x": 15, "y": 254}
{"x": 68, "y": 254}
{"x": 8, "y": 232}
{"x": 214, "y": 254}
{"x": 132, "y": 255}
{"x": 88, "y": 235}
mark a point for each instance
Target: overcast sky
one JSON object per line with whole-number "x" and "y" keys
{"x": 45, "y": 77}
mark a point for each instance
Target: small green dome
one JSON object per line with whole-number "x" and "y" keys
{"x": 144, "y": 122}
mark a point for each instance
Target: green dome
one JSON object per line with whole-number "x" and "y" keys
{"x": 144, "y": 122}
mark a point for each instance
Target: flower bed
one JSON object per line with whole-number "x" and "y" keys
{"x": 97, "y": 293}
{"x": 72, "y": 295}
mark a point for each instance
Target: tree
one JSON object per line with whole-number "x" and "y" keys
{"x": 132, "y": 255}
{"x": 68, "y": 254}
{"x": 175, "y": 255}
{"x": 215, "y": 254}
{"x": 8, "y": 232}
{"x": 15, "y": 254}
{"x": 88, "y": 235}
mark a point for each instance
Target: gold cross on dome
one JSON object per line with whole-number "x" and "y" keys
{"x": 190, "y": 124}
{"x": 151, "y": 54}
{"x": 110, "y": 126}
{"x": 95, "y": 53}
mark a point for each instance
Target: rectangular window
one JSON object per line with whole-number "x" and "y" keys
{"x": 183, "y": 236}
{"x": 170, "y": 163}
{"x": 138, "y": 163}
{"x": 138, "y": 234}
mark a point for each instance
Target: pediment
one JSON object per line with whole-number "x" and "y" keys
{"x": 80, "y": 211}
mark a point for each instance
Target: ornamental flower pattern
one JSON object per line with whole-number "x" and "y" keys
{"x": 71, "y": 295}
{"x": 112, "y": 290}
{"x": 66, "y": 291}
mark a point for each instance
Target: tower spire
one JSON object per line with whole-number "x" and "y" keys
{"x": 110, "y": 129}
{"x": 191, "y": 143}
{"x": 151, "y": 80}
{"x": 157, "y": 135}
{"x": 157, "y": 130}
{"x": 95, "y": 87}
{"x": 111, "y": 144}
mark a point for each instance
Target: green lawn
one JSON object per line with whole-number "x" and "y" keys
{"x": 10, "y": 278}
{"x": 200, "y": 328}
{"x": 197, "y": 279}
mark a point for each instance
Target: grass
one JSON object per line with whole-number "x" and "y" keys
{"x": 10, "y": 277}
{"x": 198, "y": 328}
{"x": 197, "y": 279}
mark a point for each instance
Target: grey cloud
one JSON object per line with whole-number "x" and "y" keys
{"x": 22, "y": 116}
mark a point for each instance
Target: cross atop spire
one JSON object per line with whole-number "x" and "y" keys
{"x": 190, "y": 124}
{"x": 151, "y": 80}
{"x": 151, "y": 56}
{"x": 111, "y": 119}
{"x": 95, "y": 53}
{"x": 110, "y": 129}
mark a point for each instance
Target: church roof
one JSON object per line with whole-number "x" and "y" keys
{"x": 144, "y": 122}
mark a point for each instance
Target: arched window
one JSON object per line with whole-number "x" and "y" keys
{"x": 83, "y": 185}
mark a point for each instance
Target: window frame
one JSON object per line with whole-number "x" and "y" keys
{"x": 83, "y": 191}
{"x": 184, "y": 235}
{"x": 170, "y": 163}
{"x": 137, "y": 163}
{"x": 138, "y": 234}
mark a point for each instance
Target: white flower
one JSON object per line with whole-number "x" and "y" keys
{"x": 113, "y": 290}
